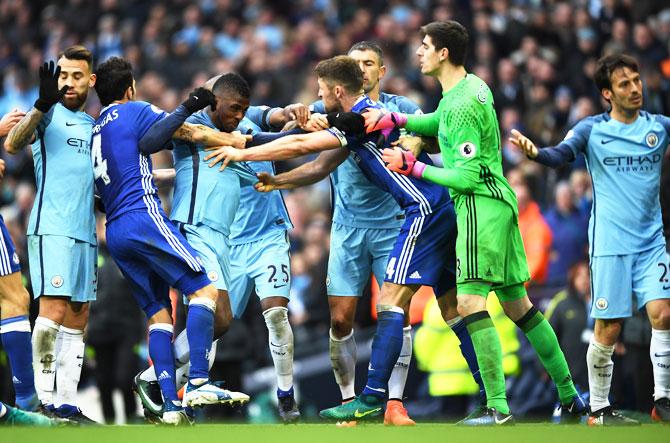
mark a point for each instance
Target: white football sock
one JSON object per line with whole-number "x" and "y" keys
{"x": 280, "y": 338}
{"x": 600, "y": 365}
{"x": 659, "y": 351}
{"x": 44, "y": 358}
{"x": 3, "y": 409}
{"x": 343, "y": 359}
{"x": 181, "y": 375}
{"x": 69, "y": 362}
{"x": 401, "y": 368}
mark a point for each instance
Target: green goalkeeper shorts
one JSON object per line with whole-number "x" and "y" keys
{"x": 489, "y": 249}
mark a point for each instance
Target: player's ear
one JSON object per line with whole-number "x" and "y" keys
{"x": 606, "y": 93}
{"x": 444, "y": 54}
{"x": 382, "y": 71}
{"x": 91, "y": 80}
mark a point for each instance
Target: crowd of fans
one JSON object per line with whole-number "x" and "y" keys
{"x": 537, "y": 56}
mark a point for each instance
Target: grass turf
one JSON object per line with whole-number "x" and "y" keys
{"x": 325, "y": 433}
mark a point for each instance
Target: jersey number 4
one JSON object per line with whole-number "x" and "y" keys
{"x": 99, "y": 165}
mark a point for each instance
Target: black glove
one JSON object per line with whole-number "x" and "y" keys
{"x": 199, "y": 99}
{"x": 49, "y": 93}
{"x": 350, "y": 123}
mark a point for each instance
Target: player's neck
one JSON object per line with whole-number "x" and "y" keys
{"x": 450, "y": 75}
{"x": 347, "y": 102}
{"x": 624, "y": 116}
{"x": 374, "y": 93}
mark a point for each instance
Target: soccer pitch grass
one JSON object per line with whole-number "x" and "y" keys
{"x": 326, "y": 433}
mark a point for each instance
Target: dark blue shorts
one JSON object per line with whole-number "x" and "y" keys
{"x": 425, "y": 251}
{"x": 9, "y": 260}
{"x": 154, "y": 256}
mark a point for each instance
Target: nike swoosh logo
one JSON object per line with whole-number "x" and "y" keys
{"x": 662, "y": 354}
{"x": 71, "y": 124}
{"x": 503, "y": 421}
{"x": 280, "y": 286}
{"x": 366, "y": 413}
{"x": 665, "y": 288}
{"x": 604, "y": 142}
{"x": 604, "y": 366}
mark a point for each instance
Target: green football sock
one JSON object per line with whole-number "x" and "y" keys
{"x": 489, "y": 357}
{"x": 543, "y": 339}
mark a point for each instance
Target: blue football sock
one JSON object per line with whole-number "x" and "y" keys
{"x": 468, "y": 352}
{"x": 199, "y": 331}
{"x": 15, "y": 334}
{"x": 162, "y": 355}
{"x": 282, "y": 394}
{"x": 386, "y": 347}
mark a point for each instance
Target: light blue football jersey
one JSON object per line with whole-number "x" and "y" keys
{"x": 258, "y": 213}
{"x": 203, "y": 194}
{"x": 357, "y": 202}
{"x": 64, "y": 176}
{"x": 624, "y": 161}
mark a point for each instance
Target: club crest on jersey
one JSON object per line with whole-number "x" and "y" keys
{"x": 15, "y": 258}
{"x": 467, "y": 150}
{"x": 481, "y": 94}
{"x": 56, "y": 281}
{"x": 652, "y": 140}
{"x": 328, "y": 280}
{"x": 213, "y": 276}
{"x": 601, "y": 303}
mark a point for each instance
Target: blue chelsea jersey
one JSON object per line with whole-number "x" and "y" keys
{"x": 64, "y": 176}
{"x": 624, "y": 161}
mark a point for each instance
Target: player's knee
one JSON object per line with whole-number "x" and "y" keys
{"x": 53, "y": 308}
{"x": 660, "y": 319}
{"x": 341, "y": 324}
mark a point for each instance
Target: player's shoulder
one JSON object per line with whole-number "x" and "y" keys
{"x": 199, "y": 118}
{"x": 651, "y": 119}
{"x": 317, "y": 107}
{"x": 247, "y": 126}
{"x": 404, "y": 104}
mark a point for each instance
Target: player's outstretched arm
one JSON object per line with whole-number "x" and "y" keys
{"x": 201, "y": 134}
{"x": 305, "y": 174}
{"x": 23, "y": 132}
{"x": 554, "y": 156}
{"x": 296, "y": 111}
{"x": 283, "y": 148}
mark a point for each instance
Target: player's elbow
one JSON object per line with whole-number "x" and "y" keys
{"x": 10, "y": 146}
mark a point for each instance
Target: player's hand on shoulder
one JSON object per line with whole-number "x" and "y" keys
{"x": 237, "y": 140}
{"x": 223, "y": 155}
{"x": 9, "y": 120}
{"x": 266, "y": 182}
{"x": 524, "y": 143}
{"x": 316, "y": 122}
{"x": 199, "y": 99}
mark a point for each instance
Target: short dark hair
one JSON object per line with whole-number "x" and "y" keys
{"x": 451, "y": 35}
{"x": 78, "y": 52}
{"x": 342, "y": 70}
{"x": 367, "y": 45}
{"x": 114, "y": 77}
{"x": 610, "y": 63}
{"x": 232, "y": 82}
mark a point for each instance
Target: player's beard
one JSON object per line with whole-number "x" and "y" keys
{"x": 75, "y": 103}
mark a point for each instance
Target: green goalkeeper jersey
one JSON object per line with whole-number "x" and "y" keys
{"x": 466, "y": 125}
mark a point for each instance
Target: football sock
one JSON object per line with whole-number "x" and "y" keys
{"x": 600, "y": 365}
{"x": 542, "y": 337}
{"x": 44, "y": 358}
{"x": 69, "y": 361}
{"x": 487, "y": 347}
{"x": 3, "y": 409}
{"x": 659, "y": 351}
{"x": 162, "y": 355}
{"x": 280, "y": 337}
{"x": 15, "y": 336}
{"x": 200, "y": 330}
{"x": 386, "y": 346}
{"x": 401, "y": 368}
{"x": 457, "y": 325}
{"x": 183, "y": 370}
{"x": 343, "y": 359}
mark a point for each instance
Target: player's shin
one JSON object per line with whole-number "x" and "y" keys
{"x": 487, "y": 347}
{"x": 659, "y": 351}
{"x": 162, "y": 355}
{"x": 543, "y": 339}
{"x": 401, "y": 368}
{"x": 280, "y": 337}
{"x": 183, "y": 370}
{"x": 200, "y": 329}
{"x": 44, "y": 358}
{"x": 386, "y": 347}
{"x": 457, "y": 325}
{"x": 600, "y": 367}
{"x": 343, "y": 359}
{"x": 15, "y": 335}
{"x": 69, "y": 361}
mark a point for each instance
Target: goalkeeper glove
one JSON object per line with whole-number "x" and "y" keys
{"x": 49, "y": 93}
{"x": 199, "y": 99}
{"x": 403, "y": 162}
{"x": 386, "y": 122}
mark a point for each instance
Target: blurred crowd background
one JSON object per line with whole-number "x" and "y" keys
{"x": 537, "y": 56}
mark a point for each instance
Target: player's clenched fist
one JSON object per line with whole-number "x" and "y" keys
{"x": 9, "y": 120}
{"x": 266, "y": 182}
{"x": 522, "y": 142}
{"x": 403, "y": 162}
{"x": 380, "y": 120}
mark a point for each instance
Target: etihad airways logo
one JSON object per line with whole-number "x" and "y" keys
{"x": 639, "y": 163}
